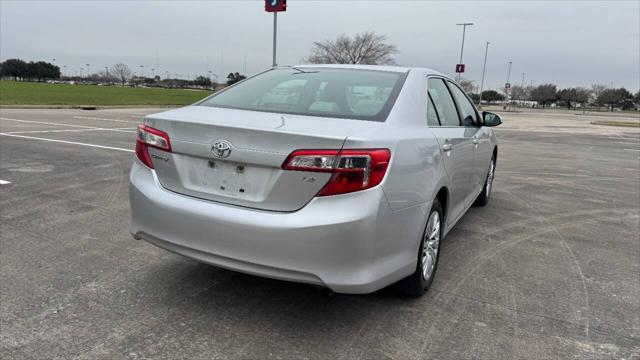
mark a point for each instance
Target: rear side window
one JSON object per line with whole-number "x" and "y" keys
{"x": 443, "y": 103}
{"x": 467, "y": 111}
{"x": 339, "y": 93}
{"x": 432, "y": 114}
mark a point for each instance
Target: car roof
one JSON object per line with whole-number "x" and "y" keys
{"x": 391, "y": 68}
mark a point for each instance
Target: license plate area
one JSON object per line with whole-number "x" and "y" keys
{"x": 228, "y": 178}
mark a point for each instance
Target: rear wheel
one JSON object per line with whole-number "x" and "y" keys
{"x": 483, "y": 198}
{"x": 420, "y": 281}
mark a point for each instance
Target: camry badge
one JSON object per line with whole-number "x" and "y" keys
{"x": 221, "y": 148}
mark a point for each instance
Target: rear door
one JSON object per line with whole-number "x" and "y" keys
{"x": 455, "y": 141}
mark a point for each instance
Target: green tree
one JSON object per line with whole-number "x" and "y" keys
{"x": 202, "y": 81}
{"x": 492, "y": 95}
{"x": 233, "y": 78}
{"x": 14, "y": 68}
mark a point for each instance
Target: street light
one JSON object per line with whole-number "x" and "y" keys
{"x": 484, "y": 68}
{"x": 464, "y": 30}
{"x": 507, "y": 86}
{"x": 142, "y": 71}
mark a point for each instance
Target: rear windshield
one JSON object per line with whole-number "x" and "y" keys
{"x": 340, "y": 93}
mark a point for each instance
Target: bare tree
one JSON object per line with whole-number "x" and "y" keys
{"x": 363, "y": 48}
{"x": 520, "y": 93}
{"x": 544, "y": 94}
{"x": 596, "y": 90}
{"x": 467, "y": 85}
{"x": 121, "y": 72}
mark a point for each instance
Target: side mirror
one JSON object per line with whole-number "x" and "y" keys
{"x": 491, "y": 119}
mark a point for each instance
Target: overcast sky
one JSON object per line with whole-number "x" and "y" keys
{"x": 570, "y": 43}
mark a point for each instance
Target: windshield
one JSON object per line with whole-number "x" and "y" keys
{"x": 340, "y": 93}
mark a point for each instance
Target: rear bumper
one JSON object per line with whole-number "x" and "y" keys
{"x": 350, "y": 243}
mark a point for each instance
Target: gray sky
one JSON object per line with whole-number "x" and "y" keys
{"x": 570, "y": 43}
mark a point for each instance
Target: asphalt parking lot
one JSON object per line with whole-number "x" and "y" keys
{"x": 550, "y": 269}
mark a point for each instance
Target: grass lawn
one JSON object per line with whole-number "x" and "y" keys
{"x": 31, "y": 93}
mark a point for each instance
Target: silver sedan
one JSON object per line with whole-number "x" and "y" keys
{"x": 344, "y": 176}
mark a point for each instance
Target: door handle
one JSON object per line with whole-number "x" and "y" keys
{"x": 447, "y": 147}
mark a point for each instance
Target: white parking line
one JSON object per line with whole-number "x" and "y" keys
{"x": 66, "y": 142}
{"x": 105, "y": 119}
{"x": 47, "y": 123}
{"x": 59, "y": 124}
{"x": 4, "y": 182}
{"x": 129, "y": 130}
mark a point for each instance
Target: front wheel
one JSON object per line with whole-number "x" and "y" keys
{"x": 420, "y": 281}
{"x": 483, "y": 198}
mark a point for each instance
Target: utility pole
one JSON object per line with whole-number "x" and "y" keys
{"x": 509, "y": 73}
{"x": 464, "y": 30}
{"x": 275, "y": 32}
{"x": 484, "y": 68}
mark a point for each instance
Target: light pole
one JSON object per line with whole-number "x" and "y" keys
{"x": 88, "y": 72}
{"x": 484, "y": 68}
{"x": 275, "y": 32}
{"x": 153, "y": 72}
{"x": 507, "y": 85}
{"x": 464, "y": 30}
{"x": 522, "y": 83}
{"x": 64, "y": 71}
{"x": 142, "y": 71}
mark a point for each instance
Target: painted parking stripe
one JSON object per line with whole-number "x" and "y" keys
{"x": 105, "y": 119}
{"x": 58, "y": 124}
{"x": 129, "y": 130}
{"x": 66, "y": 142}
{"x": 4, "y": 182}
{"x": 47, "y": 123}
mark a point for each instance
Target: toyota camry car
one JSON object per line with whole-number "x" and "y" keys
{"x": 343, "y": 176}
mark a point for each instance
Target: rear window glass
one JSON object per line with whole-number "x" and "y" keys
{"x": 340, "y": 93}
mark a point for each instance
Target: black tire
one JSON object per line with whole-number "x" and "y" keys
{"x": 415, "y": 284}
{"x": 485, "y": 194}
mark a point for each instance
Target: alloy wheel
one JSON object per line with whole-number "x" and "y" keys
{"x": 430, "y": 246}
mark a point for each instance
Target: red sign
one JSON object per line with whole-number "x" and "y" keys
{"x": 459, "y": 68}
{"x": 275, "y": 5}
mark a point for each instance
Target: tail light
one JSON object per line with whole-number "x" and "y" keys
{"x": 150, "y": 137}
{"x": 353, "y": 170}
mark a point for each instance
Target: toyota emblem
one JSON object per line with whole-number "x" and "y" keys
{"x": 221, "y": 149}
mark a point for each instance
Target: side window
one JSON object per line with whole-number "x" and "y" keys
{"x": 467, "y": 111}
{"x": 443, "y": 103}
{"x": 432, "y": 114}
